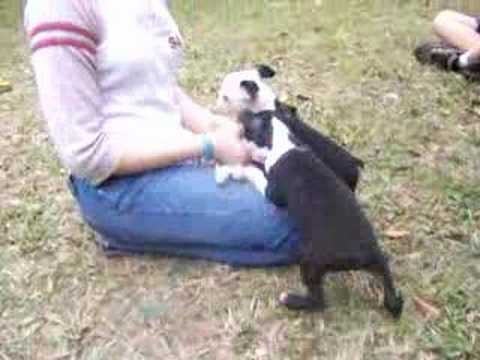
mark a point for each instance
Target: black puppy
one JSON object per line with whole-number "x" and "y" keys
{"x": 336, "y": 235}
{"x": 344, "y": 165}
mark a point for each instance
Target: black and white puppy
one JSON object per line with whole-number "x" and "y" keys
{"x": 248, "y": 90}
{"x": 336, "y": 234}
{"x": 241, "y": 95}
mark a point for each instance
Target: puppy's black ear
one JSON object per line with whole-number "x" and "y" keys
{"x": 290, "y": 108}
{"x": 285, "y": 111}
{"x": 265, "y": 71}
{"x": 250, "y": 87}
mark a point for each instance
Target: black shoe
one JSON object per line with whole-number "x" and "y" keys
{"x": 440, "y": 54}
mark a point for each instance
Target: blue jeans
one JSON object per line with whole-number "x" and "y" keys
{"x": 181, "y": 211}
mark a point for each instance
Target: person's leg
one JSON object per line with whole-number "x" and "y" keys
{"x": 457, "y": 29}
{"x": 181, "y": 211}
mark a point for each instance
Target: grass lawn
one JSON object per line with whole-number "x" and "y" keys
{"x": 350, "y": 71}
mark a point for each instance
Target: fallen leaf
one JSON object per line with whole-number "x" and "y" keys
{"x": 303, "y": 97}
{"x": 414, "y": 152}
{"x": 426, "y": 308}
{"x": 5, "y": 86}
{"x": 396, "y": 234}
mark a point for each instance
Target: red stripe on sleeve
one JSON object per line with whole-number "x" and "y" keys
{"x": 49, "y": 42}
{"x": 63, "y": 26}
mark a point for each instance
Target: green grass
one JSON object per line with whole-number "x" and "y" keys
{"x": 417, "y": 129}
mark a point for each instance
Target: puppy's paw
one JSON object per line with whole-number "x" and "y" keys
{"x": 237, "y": 172}
{"x": 283, "y": 298}
{"x": 222, "y": 173}
{"x": 300, "y": 302}
{"x": 257, "y": 178}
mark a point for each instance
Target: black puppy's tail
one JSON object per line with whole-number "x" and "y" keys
{"x": 360, "y": 163}
{"x": 393, "y": 299}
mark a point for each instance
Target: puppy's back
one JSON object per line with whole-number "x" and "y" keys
{"x": 344, "y": 165}
{"x": 334, "y": 227}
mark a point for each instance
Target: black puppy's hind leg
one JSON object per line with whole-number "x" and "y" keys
{"x": 393, "y": 300}
{"x": 314, "y": 299}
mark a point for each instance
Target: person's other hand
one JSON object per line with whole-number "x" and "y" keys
{"x": 257, "y": 154}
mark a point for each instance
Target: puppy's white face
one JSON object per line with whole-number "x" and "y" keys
{"x": 244, "y": 90}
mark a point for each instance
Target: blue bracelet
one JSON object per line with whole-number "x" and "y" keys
{"x": 208, "y": 149}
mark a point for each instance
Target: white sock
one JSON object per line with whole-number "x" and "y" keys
{"x": 464, "y": 59}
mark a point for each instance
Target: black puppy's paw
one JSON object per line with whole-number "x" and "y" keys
{"x": 275, "y": 196}
{"x": 394, "y": 304}
{"x": 300, "y": 302}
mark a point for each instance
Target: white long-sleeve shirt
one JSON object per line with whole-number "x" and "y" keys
{"x": 106, "y": 75}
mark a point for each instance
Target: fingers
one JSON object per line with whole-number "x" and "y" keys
{"x": 259, "y": 155}
{"x": 232, "y": 145}
{"x": 256, "y": 154}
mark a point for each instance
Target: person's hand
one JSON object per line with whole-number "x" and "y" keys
{"x": 217, "y": 120}
{"x": 229, "y": 146}
{"x": 225, "y": 124}
{"x": 257, "y": 154}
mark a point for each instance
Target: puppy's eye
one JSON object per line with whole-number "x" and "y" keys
{"x": 225, "y": 98}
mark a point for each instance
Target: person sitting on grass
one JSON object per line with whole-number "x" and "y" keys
{"x": 137, "y": 146}
{"x": 459, "y": 46}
